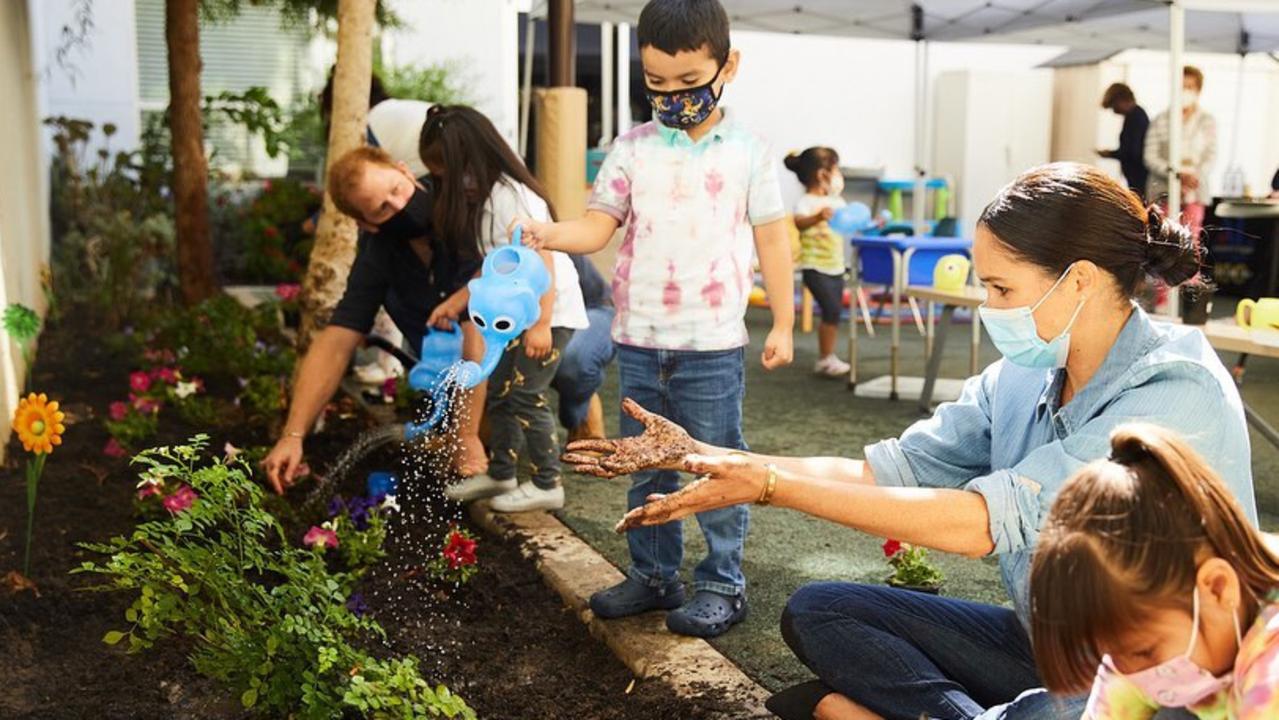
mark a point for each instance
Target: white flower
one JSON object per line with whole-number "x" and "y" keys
{"x": 388, "y": 503}
{"x": 230, "y": 451}
{"x": 185, "y": 390}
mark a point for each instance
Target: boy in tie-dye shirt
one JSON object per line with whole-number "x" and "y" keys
{"x": 699, "y": 195}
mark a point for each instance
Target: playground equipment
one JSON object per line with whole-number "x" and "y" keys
{"x": 505, "y": 301}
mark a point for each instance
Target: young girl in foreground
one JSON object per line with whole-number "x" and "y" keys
{"x": 1150, "y": 584}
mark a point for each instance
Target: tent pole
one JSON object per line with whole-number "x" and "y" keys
{"x": 920, "y": 197}
{"x": 623, "y": 78}
{"x": 1176, "y": 46}
{"x": 606, "y": 82}
{"x": 526, "y": 86}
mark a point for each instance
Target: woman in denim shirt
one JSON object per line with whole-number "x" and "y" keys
{"x": 1061, "y": 251}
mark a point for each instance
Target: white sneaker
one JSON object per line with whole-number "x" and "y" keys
{"x": 371, "y": 374}
{"x": 478, "y": 486}
{"x": 835, "y": 367}
{"x": 819, "y": 367}
{"x": 529, "y": 497}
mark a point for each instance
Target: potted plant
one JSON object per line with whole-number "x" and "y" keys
{"x": 911, "y": 568}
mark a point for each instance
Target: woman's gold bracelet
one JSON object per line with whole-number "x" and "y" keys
{"x": 770, "y": 487}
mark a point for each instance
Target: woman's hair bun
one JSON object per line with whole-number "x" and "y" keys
{"x": 792, "y": 161}
{"x": 1172, "y": 251}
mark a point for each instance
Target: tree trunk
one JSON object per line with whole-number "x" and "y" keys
{"x": 334, "y": 248}
{"x": 190, "y": 168}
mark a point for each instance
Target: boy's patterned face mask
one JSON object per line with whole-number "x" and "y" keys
{"x": 682, "y": 109}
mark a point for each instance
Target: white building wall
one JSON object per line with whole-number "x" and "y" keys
{"x": 98, "y": 79}
{"x": 480, "y": 38}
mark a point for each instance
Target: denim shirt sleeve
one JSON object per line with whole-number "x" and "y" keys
{"x": 946, "y": 450}
{"x": 1178, "y": 396}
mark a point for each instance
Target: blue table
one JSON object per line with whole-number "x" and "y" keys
{"x": 897, "y": 274}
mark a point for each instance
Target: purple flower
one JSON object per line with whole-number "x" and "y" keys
{"x": 356, "y": 605}
{"x": 336, "y": 506}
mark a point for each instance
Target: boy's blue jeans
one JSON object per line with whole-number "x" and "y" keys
{"x": 702, "y": 392}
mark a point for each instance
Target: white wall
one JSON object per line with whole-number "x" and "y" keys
{"x": 102, "y": 84}
{"x": 854, "y": 95}
{"x": 1147, "y": 73}
{"x": 481, "y": 39}
{"x": 24, "y": 216}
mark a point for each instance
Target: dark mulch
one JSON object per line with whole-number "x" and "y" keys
{"x": 504, "y": 641}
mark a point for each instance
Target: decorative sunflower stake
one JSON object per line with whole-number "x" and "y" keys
{"x": 38, "y": 423}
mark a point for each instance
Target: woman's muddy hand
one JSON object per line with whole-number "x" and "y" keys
{"x": 663, "y": 445}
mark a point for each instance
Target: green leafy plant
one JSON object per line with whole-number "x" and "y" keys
{"x": 911, "y": 567}
{"x": 260, "y": 233}
{"x": 112, "y": 226}
{"x": 222, "y": 338}
{"x": 441, "y": 84}
{"x": 264, "y": 616}
{"x": 23, "y": 325}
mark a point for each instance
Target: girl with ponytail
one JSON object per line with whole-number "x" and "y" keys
{"x": 1150, "y": 583}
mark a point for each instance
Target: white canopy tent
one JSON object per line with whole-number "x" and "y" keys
{"x": 1083, "y": 26}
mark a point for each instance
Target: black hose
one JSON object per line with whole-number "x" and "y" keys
{"x": 395, "y": 351}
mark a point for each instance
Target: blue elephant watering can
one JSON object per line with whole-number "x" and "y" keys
{"x": 505, "y": 301}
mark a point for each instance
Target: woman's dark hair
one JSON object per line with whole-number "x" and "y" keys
{"x": 1057, "y": 214}
{"x": 1125, "y": 536}
{"x": 807, "y": 164}
{"x": 464, "y": 141}
{"x": 675, "y": 25}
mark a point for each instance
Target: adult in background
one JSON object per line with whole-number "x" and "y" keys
{"x": 1198, "y": 152}
{"x": 1120, "y": 100}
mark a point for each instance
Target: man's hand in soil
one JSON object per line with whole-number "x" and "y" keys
{"x": 663, "y": 445}
{"x": 283, "y": 465}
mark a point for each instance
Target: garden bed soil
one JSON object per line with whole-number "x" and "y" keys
{"x": 504, "y": 641}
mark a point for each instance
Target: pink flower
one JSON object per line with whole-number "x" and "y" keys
{"x": 119, "y": 409}
{"x": 318, "y": 537}
{"x": 150, "y": 489}
{"x": 139, "y": 381}
{"x": 167, "y": 375}
{"x": 145, "y": 405}
{"x": 180, "y": 500}
{"x": 113, "y": 449}
{"x": 288, "y": 292}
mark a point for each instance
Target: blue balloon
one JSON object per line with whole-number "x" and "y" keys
{"x": 381, "y": 483}
{"x": 850, "y": 219}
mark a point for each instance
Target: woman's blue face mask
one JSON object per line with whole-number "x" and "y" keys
{"x": 1016, "y": 336}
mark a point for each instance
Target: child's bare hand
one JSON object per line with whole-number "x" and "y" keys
{"x": 827, "y": 213}
{"x": 533, "y": 232}
{"x": 447, "y": 313}
{"x": 779, "y": 349}
{"x": 662, "y": 445}
{"x": 538, "y": 342}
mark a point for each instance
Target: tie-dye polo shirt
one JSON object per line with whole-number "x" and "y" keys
{"x": 684, "y": 270}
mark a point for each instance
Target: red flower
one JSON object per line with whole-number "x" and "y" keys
{"x": 145, "y": 405}
{"x": 892, "y": 547}
{"x": 390, "y": 386}
{"x": 119, "y": 409}
{"x": 460, "y": 550}
{"x": 271, "y": 232}
{"x": 150, "y": 489}
{"x": 139, "y": 381}
{"x": 288, "y": 292}
{"x": 113, "y": 449}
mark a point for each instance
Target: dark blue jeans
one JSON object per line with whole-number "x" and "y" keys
{"x": 902, "y": 653}
{"x": 702, "y": 392}
{"x": 582, "y": 366}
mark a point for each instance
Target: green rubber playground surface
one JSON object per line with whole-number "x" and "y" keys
{"x": 793, "y": 412}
